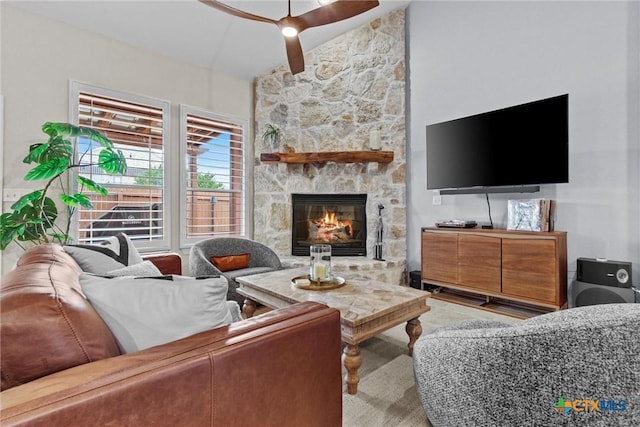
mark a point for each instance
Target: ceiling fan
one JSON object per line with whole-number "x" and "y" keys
{"x": 291, "y": 26}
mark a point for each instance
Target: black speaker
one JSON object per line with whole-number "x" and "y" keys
{"x": 591, "y": 294}
{"x": 604, "y": 272}
{"x": 415, "y": 281}
{"x": 601, "y": 282}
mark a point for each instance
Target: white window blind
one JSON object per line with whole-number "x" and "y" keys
{"x": 136, "y": 201}
{"x": 214, "y": 175}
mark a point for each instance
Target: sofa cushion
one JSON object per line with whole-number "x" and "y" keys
{"x": 47, "y": 325}
{"x": 230, "y": 262}
{"x": 247, "y": 272}
{"x": 112, "y": 253}
{"x": 144, "y": 268}
{"x": 146, "y": 311}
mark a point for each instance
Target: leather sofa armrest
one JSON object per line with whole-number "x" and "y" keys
{"x": 279, "y": 368}
{"x": 167, "y": 262}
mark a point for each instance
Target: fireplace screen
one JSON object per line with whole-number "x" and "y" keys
{"x": 336, "y": 219}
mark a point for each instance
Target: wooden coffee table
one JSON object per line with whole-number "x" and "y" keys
{"x": 367, "y": 308}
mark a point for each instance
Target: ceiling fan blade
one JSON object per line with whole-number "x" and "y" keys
{"x": 294, "y": 54}
{"x": 236, "y": 12}
{"x": 333, "y": 12}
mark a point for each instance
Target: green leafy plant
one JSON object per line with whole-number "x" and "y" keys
{"x": 33, "y": 217}
{"x": 272, "y": 136}
{"x": 153, "y": 176}
{"x": 208, "y": 180}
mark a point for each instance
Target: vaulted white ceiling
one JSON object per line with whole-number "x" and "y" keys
{"x": 198, "y": 34}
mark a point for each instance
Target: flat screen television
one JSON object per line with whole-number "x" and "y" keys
{"x": 513, "y": 149}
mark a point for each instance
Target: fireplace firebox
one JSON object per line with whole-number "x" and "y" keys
{"x": 339, "y": 220}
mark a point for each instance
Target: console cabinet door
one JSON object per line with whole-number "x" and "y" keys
{"x": 529, "y": 269}
{"x": 479, "y": 262}
{"x": 440, "y": 257}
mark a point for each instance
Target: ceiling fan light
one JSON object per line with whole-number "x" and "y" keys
{"x": 324, "y": 2}
{"x": 288, "y": 31}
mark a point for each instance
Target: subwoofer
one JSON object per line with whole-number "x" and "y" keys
{"x": 601, "y": 282}
{"x": 590, "y": 294}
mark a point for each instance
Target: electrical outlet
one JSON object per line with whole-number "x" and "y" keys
{"x": 437, "y": 200}
{"x": 13, "y": 194}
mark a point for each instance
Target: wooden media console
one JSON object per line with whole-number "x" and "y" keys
{"x": 518, "y": 273}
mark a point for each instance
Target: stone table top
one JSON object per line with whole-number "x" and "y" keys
{"x": 366, "y": 307}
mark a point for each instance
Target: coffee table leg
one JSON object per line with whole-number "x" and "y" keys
{"x": 248, "y": 308}
{"x": 351, "y": 359}
{"x": 414, "y": 330}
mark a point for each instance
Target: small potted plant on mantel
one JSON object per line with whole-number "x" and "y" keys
{"x": 272, "y": 136}
{"x": 33, "y": 216}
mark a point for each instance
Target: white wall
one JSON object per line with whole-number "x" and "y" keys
{"x": 40, "y": 56}
{"x": 471, "y": 57}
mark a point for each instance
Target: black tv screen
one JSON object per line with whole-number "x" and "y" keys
{"x": 526, "y": 144}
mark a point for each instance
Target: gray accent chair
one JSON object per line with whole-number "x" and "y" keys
{"x": 487, "y": 373}
{"x": 261, "y": 260}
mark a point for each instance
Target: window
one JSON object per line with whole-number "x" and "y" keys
{"x": 213, "y": 196}
{"x": 136, "y": 201}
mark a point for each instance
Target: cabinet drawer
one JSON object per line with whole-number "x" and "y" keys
{"x": 479, "y": 262}
{"x": 529, "y": 269}
{"x": 440, "y": 257}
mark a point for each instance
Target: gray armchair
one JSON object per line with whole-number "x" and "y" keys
{"x": 261, "y": 260}
{"x": 478, "y": 373}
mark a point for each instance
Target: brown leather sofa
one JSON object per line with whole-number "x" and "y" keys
{"x": 61, "y": 366}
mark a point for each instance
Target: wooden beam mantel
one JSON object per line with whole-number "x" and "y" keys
{"x": 329, "y": 156}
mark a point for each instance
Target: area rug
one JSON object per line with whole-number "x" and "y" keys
{"x": 387, "y": 393}
{"x": 386, "y": 397}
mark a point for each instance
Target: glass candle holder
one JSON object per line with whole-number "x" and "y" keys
{"x": 320, "y": 263}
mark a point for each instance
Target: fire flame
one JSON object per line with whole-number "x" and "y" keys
{"x": 330, "y": 223}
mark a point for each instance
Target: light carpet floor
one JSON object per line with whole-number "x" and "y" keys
{"x": 387, "y": 393}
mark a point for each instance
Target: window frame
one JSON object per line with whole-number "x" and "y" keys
{"x": 75, "y": 88}
{"x": 247, "y": 219}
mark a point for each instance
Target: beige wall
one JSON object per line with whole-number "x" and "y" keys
{"x": 40, "y": 57}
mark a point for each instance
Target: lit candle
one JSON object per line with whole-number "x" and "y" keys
{"x": 374, "y": 139}
{"x": 319, "y": 271}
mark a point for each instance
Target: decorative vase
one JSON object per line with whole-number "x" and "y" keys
{"x": 374, "y": 139}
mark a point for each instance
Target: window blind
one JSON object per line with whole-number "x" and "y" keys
{"x": 136, "y": 201}
{"x": 214, "y": 179}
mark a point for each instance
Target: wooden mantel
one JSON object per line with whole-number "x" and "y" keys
{"x": 329, "y": 156}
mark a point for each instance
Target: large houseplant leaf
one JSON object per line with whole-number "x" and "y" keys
{"x": 58, "y": 147}
{"x": 75, "y": 200}
{"x": 35, "y": 152}
{"x": 50, "y": 169}
{"x": 112, "y": 161}
{"x": 10, "y": 229}
{"x": 91, "y": 185}
{"x": 53, "y": 129}
{"x": 29, "y": 222}
{"x": 37, "y": 220}
{"x": 26, "y": 199}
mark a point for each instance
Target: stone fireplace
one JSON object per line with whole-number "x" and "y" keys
{"x": 351, "y": 85}
{"x": 339, "y": 220}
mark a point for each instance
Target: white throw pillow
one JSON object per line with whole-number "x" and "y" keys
{"x": 111, "y": 254}
{"x": 144, "y": 268}
{"x": 142, "y": 312}
{"x": 234, "y": 309}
